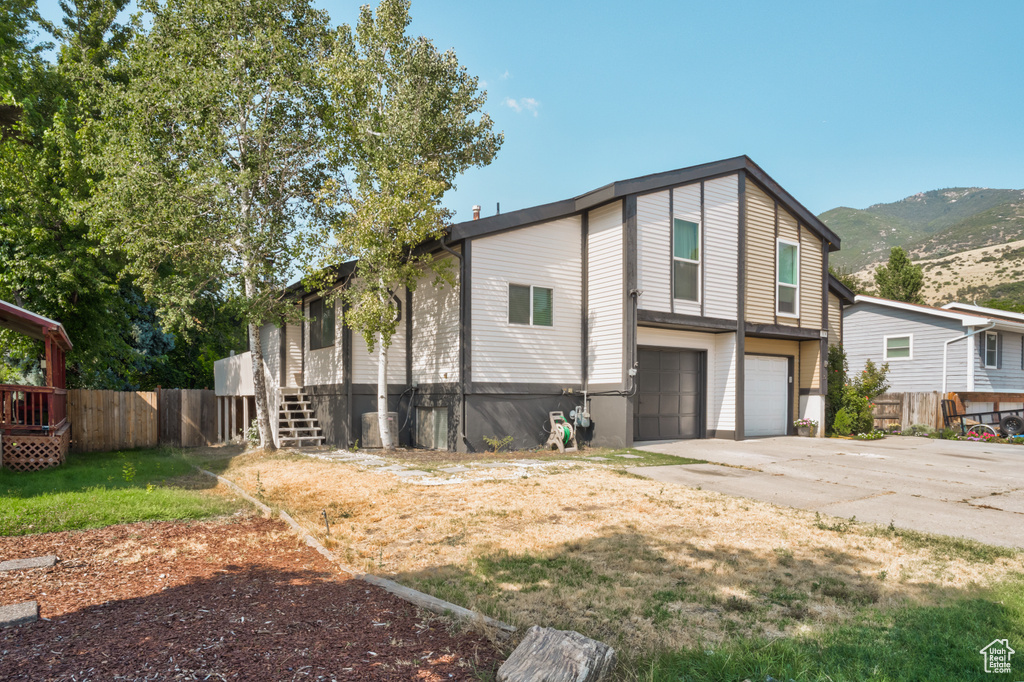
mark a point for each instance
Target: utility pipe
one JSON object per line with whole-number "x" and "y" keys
{"x": 945, "y": 351}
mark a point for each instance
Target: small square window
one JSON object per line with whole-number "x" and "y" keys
{"x": 530, "y": 305}
{"x": 542, "y": 304}
{"x": 897, "y": 347}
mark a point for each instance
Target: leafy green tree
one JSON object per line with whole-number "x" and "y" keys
{"x": 52, "y": 265}
{"x": 847, "y": 279}
{"x": 408, "y": 121}
{"x": 211, "y": 153}
{"x": 837, "y": 367}
{"x": 900, "y": 279}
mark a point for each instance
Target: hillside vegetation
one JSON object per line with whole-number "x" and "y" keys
{"x": 965, "y": 237}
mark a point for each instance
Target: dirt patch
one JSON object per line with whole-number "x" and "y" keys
{"x": 238, "y": 599}
{"x": 632, "y": 562}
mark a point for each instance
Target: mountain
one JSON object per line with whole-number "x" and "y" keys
{"x": 928, "y": 225}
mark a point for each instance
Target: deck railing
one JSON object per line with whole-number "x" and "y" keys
{"x": 32, "y": 408}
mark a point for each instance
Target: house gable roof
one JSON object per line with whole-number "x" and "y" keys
{"x": 988, "y": 312}
{"x": 840, "y": 289}
{"x": 32, "y": 325}
{"x": 640, "y": 185}
{"x": 965, "y": 319}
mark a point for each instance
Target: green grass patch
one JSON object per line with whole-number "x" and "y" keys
{"x": 649, "y": 459}
{"x": 100, "y": 489}
{"x": 912, "y": 643}
{"x": 947, "y": 547}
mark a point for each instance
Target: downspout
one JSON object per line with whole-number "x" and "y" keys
{"x": 462, "y": 346}
{"x": 945, "y": 350}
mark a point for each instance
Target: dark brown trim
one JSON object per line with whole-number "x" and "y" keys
{"x": 741, "y": 291}
{"x": 524, "y": 388}
{"x": 282, "y": 353}
{"x": 585, "y": 297}
{"x": 781, "y": 331}
{"x": 650, "y": 318}
{"x": 408, "y": 337}
{"x": 642, "y": 185}
{"x": 632, "y": 305}
{"x": 775, "y": 267}
{"x": 466, "y": 287}
{"x": 672, "y": 249}
{"x": 703, "y": 254}
{"x": 840, "y": 289}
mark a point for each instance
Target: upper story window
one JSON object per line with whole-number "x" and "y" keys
{"x": 685, "y": 260}
{"x": 899, "y": 347}
{"x": 321, "y": 324}
{"x": 530, "y": 305}
{"x": 787, "y": 285}
{"x": 991, "y": 350}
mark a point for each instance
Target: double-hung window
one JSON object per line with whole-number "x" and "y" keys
{"x": 991, "y": 353}
{"x": 899, "y": 347}
{"x": 685, "y": 260}
{"x": 787, "y": 282}
{"x": 531, "y": 305}
{"x": 321, "y": 324}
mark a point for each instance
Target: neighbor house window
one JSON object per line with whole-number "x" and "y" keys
{"x": 787, "y": 288}
{"x": 991, "y": 350}
{"x": 685, "y": 260}
{"x": 321, "y": 324}
{"x": 530, "y": 305}
{"x": 898, "y": 347}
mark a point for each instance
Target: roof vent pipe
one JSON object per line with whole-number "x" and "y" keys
{"x": 476, "y": 212}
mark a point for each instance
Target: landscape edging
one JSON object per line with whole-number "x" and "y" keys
{"x": 415, "y": 597}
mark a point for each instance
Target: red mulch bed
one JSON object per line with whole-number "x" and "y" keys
{"x": 238, "y": 599}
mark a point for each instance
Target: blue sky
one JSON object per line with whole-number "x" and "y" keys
{"x": 844, "y": 104}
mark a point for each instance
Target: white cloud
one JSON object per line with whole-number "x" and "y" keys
{"x": 522, "y": 104}
{"x": 505, "y": 76}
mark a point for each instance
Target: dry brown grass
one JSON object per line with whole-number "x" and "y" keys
{"x": 638, "y": 564}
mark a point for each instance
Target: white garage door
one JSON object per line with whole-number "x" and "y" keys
{"x": 766, "y": 401}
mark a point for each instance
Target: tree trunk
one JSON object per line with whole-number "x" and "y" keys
{"x": 259, "y": 381}
{"x": 387, "y": 440}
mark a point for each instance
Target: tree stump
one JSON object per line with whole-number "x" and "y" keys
{"x": 549, "y": 655}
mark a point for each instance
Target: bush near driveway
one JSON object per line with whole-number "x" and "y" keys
{"x": 100, "y": 489}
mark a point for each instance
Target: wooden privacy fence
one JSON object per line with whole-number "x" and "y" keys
{"x": 907, "y": 409}
{"x": 114, "y": 420}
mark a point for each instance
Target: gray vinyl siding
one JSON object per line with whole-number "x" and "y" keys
{"x": 546, "y": 255}
{"x": 606, "y": 283}
{"x": 865, "y": 326}
{"x": 1008, "y": 377}
{"x": 721, "y": 218}
{"x": 435, "y": 330}
{"x": 365, "y": 362}
{"x": 718, "y": 218}
{"x": 654, "y": 251}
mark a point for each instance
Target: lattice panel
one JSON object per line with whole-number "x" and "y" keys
{"x": 32, "y": 453}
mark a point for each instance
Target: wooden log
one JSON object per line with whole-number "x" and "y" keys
{"x": 549, "y": 655}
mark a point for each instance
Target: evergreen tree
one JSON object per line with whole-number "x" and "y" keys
{"x": 900, "y": 279}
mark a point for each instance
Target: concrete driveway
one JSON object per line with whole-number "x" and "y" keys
{"x": 957, "y": 488}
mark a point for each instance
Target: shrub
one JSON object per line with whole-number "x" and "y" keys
{"x": 836, "y": 384}
{"x": 843, "y": 423}
{"x": 920, "y": 430}
{"x": 872, "y": 382}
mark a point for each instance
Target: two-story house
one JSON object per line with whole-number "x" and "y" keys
{"x": 688, "y": 304}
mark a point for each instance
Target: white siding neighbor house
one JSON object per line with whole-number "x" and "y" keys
{"x": 694, "y": 303}
{"x": 959, "y": 348}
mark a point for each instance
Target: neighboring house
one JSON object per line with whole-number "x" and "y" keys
{"x": 983, "y": 347}
{"x": 688, "y": 304}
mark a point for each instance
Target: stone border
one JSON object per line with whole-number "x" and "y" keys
{"x": 415, "y": 597}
